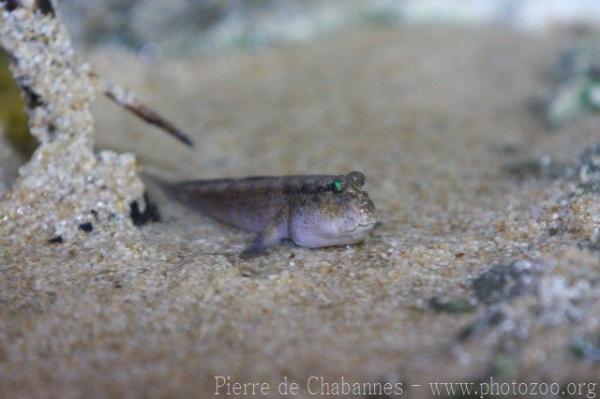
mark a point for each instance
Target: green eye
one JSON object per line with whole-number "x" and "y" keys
{"x": 338, "y": 185}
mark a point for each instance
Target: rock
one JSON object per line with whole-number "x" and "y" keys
{"x": 481, "y": 324}
{"x": 587, "y": 348}
{"x": 589, "y": 169}
{"x": 543, "y": 166}
{"x": 505, "y": 280}
{"x": 149, "y": 213}
{"x": 87, "y": 227}
{"x": 577, "y": 91}
{"x": 65, "y": 179}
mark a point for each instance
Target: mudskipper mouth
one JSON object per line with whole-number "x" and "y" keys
{"x": 363, "y": 228}
{"x": 369, "y": 225}
{"x": 366, "y": 228}
{"x": 370, "y": 221}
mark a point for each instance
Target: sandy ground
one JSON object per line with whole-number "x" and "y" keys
{"x": 432, "y": 117}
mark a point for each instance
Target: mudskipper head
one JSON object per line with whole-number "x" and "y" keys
{"x": 342, "y": 215}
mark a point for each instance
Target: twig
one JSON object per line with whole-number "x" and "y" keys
{"x": 127, "y": 100}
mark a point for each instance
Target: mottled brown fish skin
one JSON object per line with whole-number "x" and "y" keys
{"x": 249, "y": 203}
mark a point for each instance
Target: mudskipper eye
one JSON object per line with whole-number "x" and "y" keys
{"x": 339, "y": 185}
{"x": 356, "y": 179}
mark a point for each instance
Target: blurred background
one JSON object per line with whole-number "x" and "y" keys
{"x": 162, "y": 31}
{"x": 173, "y": 27}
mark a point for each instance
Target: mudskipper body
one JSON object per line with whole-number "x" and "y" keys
{"x": 313, "y": 211}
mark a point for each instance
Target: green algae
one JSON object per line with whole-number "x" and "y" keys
{"x": 447, "y": 305}
{"x": 13, "y": 117}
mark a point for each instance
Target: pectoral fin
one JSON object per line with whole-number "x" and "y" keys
{"x": 269, "y": 237}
